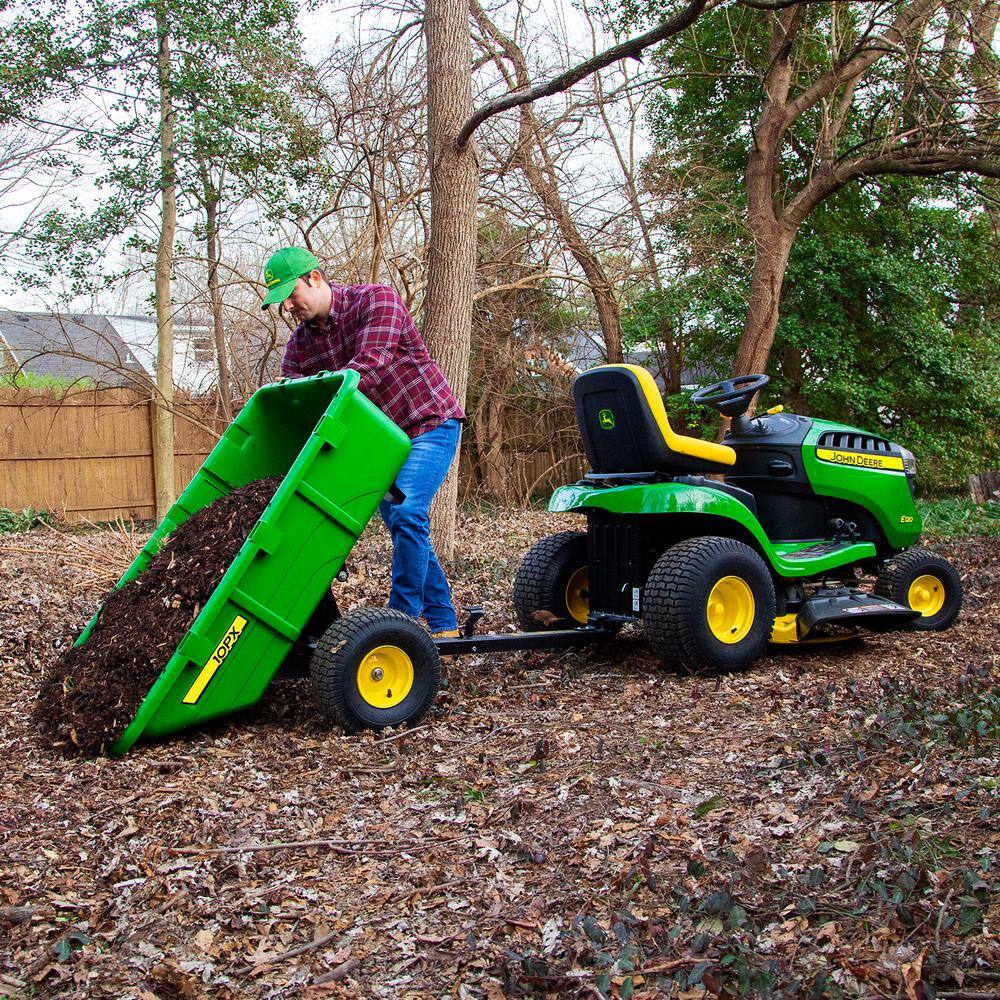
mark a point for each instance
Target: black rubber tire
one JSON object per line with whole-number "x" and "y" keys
{"x": 540, "y": 583}
{"x": 899, "y": 573}
{"x": 676, "y": 596}
{"x": 338, "y": 656}
{"x": 297, "y": 662}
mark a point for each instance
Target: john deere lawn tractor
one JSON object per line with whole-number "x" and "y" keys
{"x": 719, "y": 549}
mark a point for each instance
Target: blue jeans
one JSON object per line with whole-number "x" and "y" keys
{"x": 419, "y": 586}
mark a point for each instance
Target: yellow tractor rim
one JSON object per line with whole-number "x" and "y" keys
{"x": 730, "y": 610}
{"x": 578, "y": 595}
{"x": 926, "y": 595}
{"x": 385, "y": 676}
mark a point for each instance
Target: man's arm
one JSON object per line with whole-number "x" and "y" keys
{"x": 382, "y": 318}
{"x": 290, "y": 367}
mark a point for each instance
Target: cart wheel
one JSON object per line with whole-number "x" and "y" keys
{"x": 927, "y": 583}
{"x": 551, "y": 588}
{"x": 297, "y": 662}
{"x": 709, "y": 605}
{"x": 375, "y": 668}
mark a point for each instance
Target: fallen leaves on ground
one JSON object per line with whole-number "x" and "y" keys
{"x": 562, "y": 824}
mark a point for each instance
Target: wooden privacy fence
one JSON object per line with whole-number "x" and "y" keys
{"x": 538, "y": 450}
{"x": 89, "y": 454}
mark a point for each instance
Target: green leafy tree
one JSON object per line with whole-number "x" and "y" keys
{"x": 795, "y": 101}
{"x": 193, "y": 100}
{"x": 884, "y": 267}
{"x": 891, "y": 321}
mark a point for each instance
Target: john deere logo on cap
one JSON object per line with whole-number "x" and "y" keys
{"x": 607, "y": 419}
{"x": 269, "y": 279}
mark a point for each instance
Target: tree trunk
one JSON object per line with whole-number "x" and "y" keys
{"x": 772, "y": 234}
{"x": 163, "y": 415}
{"x": 674, "y": 370}
{"x": 769, "y": 266}
{"x": 451, "y": 255}
{"x": 496, "y": 457}
{"x": 772, "y": 239}
{"x": 212, "y": 251}
{"x": 543, "y": 181}
{"x": 487, "y": 421}
{"x": 984, "y": 486}
{"x": 791, "y": 363}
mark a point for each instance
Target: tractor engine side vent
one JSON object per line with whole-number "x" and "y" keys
{"x": 855, "y": 442}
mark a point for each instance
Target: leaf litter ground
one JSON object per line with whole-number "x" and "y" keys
{"x": 562, "y": 824}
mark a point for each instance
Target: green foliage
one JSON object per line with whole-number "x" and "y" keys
{"x": 234, "y": 74}
{"x": 612, "y": 953}
{"x": 955, "y": 517}
{"x": 55, "y": 384}
{"x": 924, "y": 721}
{"x": 890, "y": 314}
{"x": 12, "y": 521}
{"x": 891, "y": 322}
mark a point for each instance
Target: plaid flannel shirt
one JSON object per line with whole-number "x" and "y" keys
{"x": 370, "y": 330}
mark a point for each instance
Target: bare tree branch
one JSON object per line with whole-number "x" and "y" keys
{"x": 630, "y": 49}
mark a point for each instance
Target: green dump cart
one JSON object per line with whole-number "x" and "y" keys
{"x": 337, "y": 455}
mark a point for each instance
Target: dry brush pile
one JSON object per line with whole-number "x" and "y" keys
{"x": 563, "y": 824}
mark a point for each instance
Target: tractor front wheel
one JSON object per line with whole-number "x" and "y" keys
{"x": 375, "y": 668}
{"x": 927, "y": 583}
{"x": 551, "y": 588}
{"x": 709, "y": 605}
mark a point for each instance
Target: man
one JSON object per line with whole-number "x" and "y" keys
{"x": 368, "y": 328}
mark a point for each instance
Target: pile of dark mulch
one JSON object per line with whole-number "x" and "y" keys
{"x": 90, "y": 695}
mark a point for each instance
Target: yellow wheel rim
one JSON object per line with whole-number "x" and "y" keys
{"x": 926, "y": 595}
{"x": 385, "y": 676}
{"x": 730, "y": 610}
{"x": 578, "y": 595}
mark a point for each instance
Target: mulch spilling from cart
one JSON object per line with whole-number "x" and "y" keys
{"x": 90, "y": 695}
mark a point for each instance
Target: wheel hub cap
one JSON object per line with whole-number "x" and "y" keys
{"x": 578, "y": 595}
{"x": 926, "y": 595}
{"x": 385, "y": 676}
{"x": 730, "y": 609}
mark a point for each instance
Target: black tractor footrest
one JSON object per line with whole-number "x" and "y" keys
{"x": 822, "y": 549}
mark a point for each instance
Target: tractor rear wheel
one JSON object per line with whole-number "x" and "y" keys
{"x": 709, "y": 605}
{"x": 927, "y": 583}
{"x": 375, "y": 668}
{"x": 551, "y": 588}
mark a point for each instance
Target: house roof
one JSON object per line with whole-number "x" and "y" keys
{"x": 64, "y": 346}
{"x": 194, "y": 349}
{"x": 586, "y": 348}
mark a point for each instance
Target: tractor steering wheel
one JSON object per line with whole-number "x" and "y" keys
{"x": 732, "y": 396}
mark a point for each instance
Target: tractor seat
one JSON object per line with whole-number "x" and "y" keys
{"x": 625, "y": 427}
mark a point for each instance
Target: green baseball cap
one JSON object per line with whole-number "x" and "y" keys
{"x": 283, "y": 270}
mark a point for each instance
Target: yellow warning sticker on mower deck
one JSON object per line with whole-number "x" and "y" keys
{"x": 215, "y": 660}
{"x": 859, "y": 459}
